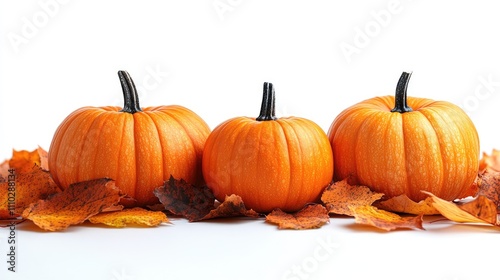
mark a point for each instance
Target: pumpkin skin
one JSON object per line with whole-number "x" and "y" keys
{"x": 138, "y": 148}
{"x": 271, "y": 163}
{"x": 420, "y": 145}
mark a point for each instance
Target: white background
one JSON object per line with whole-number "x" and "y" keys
{"x": 213, "y": 56}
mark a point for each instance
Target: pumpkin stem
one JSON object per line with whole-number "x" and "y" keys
{"x": 267, "y": 111}
{"x": 400, "y": 105}
{"x": 130, "y": 97}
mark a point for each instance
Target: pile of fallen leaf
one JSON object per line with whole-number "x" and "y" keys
{"x": 40, "y": 200}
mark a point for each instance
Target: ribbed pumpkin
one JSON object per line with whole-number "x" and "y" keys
{"x": 402, "y": 145}
{"x": 138, "y": 148}
{"x": 271, "y": 163}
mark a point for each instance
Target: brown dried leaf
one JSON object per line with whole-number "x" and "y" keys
{"x": 489, "y": 186}
{"x": 310, "y": 217}
{"x": 156, "y": 207}
{"x": 24, "y": 160}
{"x": 74, "y": 205}
{"x": 29, "y": 188}
{"x": 189, "y": 201}
{"x": 490, "y": 162}
{"x": 113, "y": 208}
{"x": 481, "y": 210}
{"x": 403, "y": 204}
{"x": 136, "y": 216}
{"x": 370, "y": 215}
{"x": 341, "y": 196}
{"x": 232, "y": 206}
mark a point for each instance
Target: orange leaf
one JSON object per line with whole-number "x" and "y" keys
{"x": 402, "y": 204}
{"x": 340, "y": 196}
{"x": 136, "y": 216}
{"x": 232, "y": 206}
{"x": 483, "y": 210}
{"x": 310, "y": 217}
{"x": 4, "y": 170}
{"x": 26, "y": 188}
{"x": 490, "y": 162}
{"x": 23, "y": 160}
{"x": 74, "y": 205}
{"x": 369, "y": 215}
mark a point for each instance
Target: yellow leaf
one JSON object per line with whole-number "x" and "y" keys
{"x": 455, "y": 213}
{"x": 137, "y": 216}
{"x": 370, "y": 215}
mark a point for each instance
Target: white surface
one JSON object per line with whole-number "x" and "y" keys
{"x": 215, "y": 64}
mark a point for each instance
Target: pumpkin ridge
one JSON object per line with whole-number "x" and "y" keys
{"x": 122, "y": 130}
{"x": 94, "y": 115}
{"x": 107, "y": 122}
{"x": 134, "y": 129}
{"x": 75, "y": 126}
{"x": 181, "y": 124}
{"x": 304, "y": 125}
{"x": 152, "y": 115}
{"x": 55, "y": 148}
{"x": 403, "y": 161}
{"x": 367, "y": 115}
{"x": 257, "y": 130}
{"x": 139, "y": 175}
{"x": 101, "y": 118}
{"x": 463, "y": 136}
{"x": 227, "y": 130}
{"x": 386, "y": 156}
{"x": 440, "y": 152}
{"x": 432, "y": 118}
{"x": 281, "y": 123}
{"x": 335, "y": 132}
{"x": 407, "y": 187}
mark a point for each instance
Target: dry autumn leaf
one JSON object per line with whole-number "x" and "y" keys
{"x": 198, "y": 203}
{"x": 310, "y": 217}
{"x": 481, "y": 210}
{"x": 402, "y": 204}
{"x": 74, "y": 205}
{"x": 189, "y": 201}
{"x": 28, "y": 187}
{"x": 4, "y": 170}
{"x": 369, "y": 215}
{"x": 489, "y": 186}
{"x": 23, "y": 161}
{"x": 135, "y": 216}
{"x": 490, "y": 162}
{"x": 340, "y": 196}
{"x": 232, "y": 206}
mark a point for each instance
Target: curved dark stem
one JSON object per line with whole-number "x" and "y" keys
{"x": 130, "y": 97}
{"x": 401, "y": 105}
{"x": 267, "y": 111}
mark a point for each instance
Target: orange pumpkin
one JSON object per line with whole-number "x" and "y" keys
{"x": 271, "y": 163}
{"x": 402, "y": 145}
{"x": 138, "y": 148}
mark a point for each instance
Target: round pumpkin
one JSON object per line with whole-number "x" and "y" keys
{"x": 403, "y": 145}
{"x": 271, "y": 163}
{"x": 138, "y": 148}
